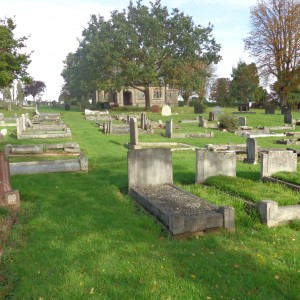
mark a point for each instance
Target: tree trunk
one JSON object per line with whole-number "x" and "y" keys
{"x": 147, "y": 99}
{"x": 185, "y": 100}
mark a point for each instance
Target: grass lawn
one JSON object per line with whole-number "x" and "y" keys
{"x": 80, "y": 236}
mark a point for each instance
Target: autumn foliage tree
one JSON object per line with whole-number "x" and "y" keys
{"x": 274, "y": 42}
{"x": 34, "y": 89}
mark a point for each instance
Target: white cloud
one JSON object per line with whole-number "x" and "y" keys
{"x": 55, "y": 25}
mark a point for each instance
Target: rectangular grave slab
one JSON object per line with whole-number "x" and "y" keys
{"x": 182, "y": 212}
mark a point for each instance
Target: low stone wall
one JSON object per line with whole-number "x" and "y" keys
{"x": 273, "y": 215}
{"x": 50, "y": 166}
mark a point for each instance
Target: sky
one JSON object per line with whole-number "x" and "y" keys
{"x": 53, "y": 28}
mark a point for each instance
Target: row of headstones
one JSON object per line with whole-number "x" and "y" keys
{"x": 288, "y": 119}
{"x": 208, "y": 163}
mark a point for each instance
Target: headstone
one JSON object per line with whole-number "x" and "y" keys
{"x": 198, "y": 108}
{"x": 169, "y": 128}
{"x": 166, "y": 110}
{"x": 242, "y": 121}
{"x": 286, "y": 110}
{"x": 134, "y": 136}
{"x": 288, "y": 119}
{"x": 67, "y": 106}
{"x": 149, "y": 167}
{"x": 243, "y": 107}
{"x": 212, "y": 163}
{"x": 278, "y": 161}
{"x": 155, "y": 108}
{"x": 211, "y": 116}
{"x": 270, "y": 110}
{"x": 252, "y": 151}
{"x": 1, "y": 116}
{"x": 217, "y": 110}
{"x": 143, "y": 121}
{"x": 202, "y": 121}
{"x": 3, "y": 132}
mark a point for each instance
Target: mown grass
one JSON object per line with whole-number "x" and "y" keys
{"x": 79, "y": 235}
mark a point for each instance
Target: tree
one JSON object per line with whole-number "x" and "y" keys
{"x": 244, "y": 83}
{"x": 13, "y": 63}
{"x": 34, "y": 89}
{"x": 141, "y": 47}
{"x": 20, "y": 92}
{"x": 274, "y": 41}
{"x": 190, "y": 78}
{"x": 220, "y": 91}
{"x": 6, "y": 94}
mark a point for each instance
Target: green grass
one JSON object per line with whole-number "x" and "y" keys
{"x": 80, "y": 236}
{"x": 288, "y": 177}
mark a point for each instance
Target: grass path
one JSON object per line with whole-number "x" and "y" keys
{"x": 79, "y": 236}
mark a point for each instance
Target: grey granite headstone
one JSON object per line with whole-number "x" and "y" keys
{"x": 242, "y": 121}
{"x": 252, "y": 151}
{"x": 169, "y": 127}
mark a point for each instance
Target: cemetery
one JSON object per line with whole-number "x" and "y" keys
{"x": 223, "y": 200}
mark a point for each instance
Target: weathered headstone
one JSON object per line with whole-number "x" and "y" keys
{"x": 169, "y": 128}
{"x": 270, "y": 110}
{"x": 278, "y": 161}
{"x": 198, "y": 108}
{"x": 286, "y": 110}
{"x": 212, "y": 163}
{"x": 155, "y": 108}
{"x": 252, "y": 151}
{"x": 288, "y": 119}
{"x": 149, "y": 167}
{"x": 134, "y": 136}
{"x": 202, "y": 121}
{"x": 166, "y": 110}
{"x": 143, "y": 121}
{"x": 211, "y": 116}
{"x": 217, "y": 110}
{"x": 242, "y": 121}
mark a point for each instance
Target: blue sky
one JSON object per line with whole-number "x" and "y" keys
{"x": 54, "y": 26}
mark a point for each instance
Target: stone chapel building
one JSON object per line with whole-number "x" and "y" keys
{"x": 133, "y": 97}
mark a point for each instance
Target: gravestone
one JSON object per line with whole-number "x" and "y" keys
{"x": 143, "y": 121}
{"x": 134, "y": 136}
{"x": 211, "y": 116}
{"x": 252, "y": 151}
{"x": 242, "y": 121}
{"x": 8, "y": 197}
{"x": 149, "y": 167}
{"x": 202, "y": 121}
{"x": 166, "y": 110}
{"x": 270, "y": 110}
{"x": 288, "y": 119}
{"x": 198, "y": 108}
{"x": 169, "y": 128}
{"x": 155, "y": 108}
{"x": 217, "y": 110}
{"x": 278, "y": 161}
{"x": 286, "y": 110}
{"x": 67, "y": 106}
{"x": 212, "y": 163}
{"x": 243, "y": 107}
